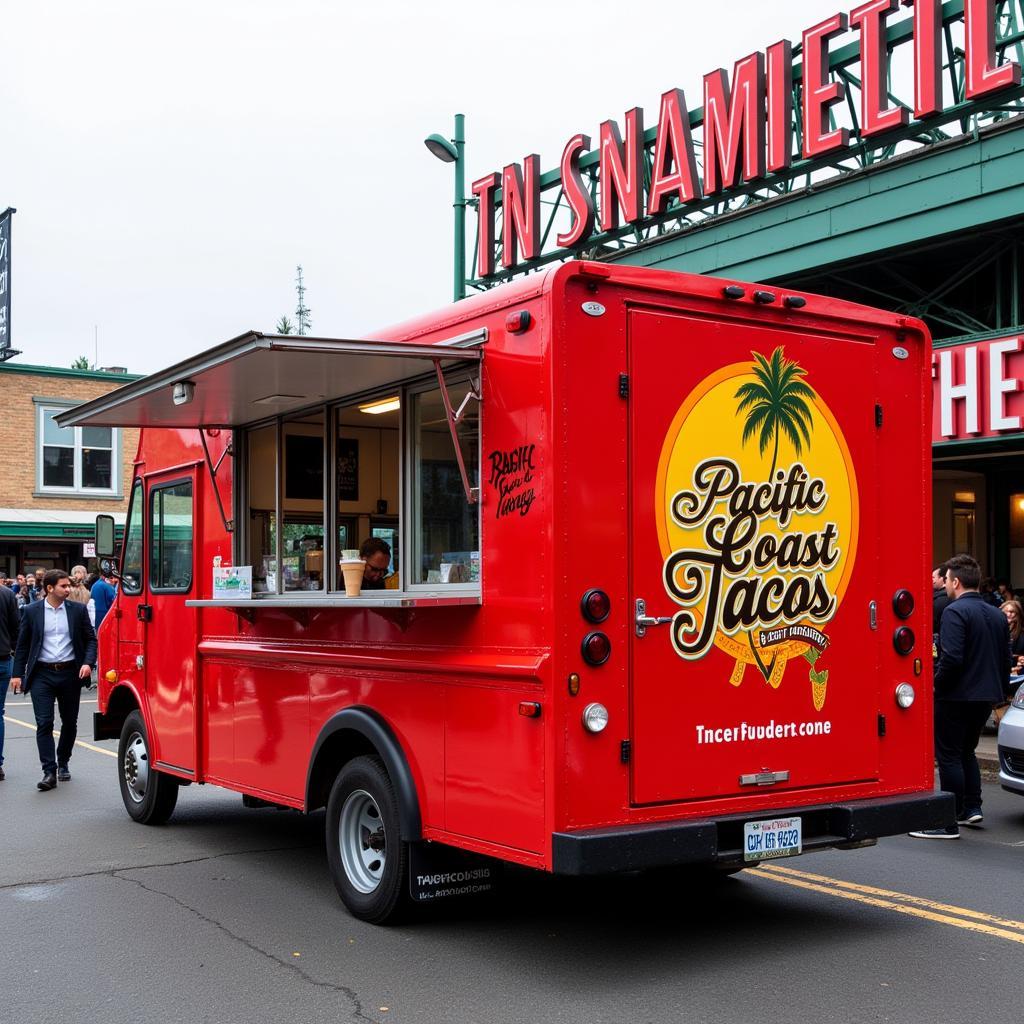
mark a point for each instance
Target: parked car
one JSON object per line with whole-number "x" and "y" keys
{"x": 1011, "y": 746}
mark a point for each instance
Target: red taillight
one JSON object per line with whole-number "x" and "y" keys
{"x": 517, "y": 322}
{"x": 903, "y": 640}
{"x": 903, "y": 604}
{"x": 596, "y": 605}
{"x": 596, "y": 648}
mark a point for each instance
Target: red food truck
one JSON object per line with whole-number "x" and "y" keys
{"x": 653, "y": 589}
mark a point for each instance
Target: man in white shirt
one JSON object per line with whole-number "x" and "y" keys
{"x": 56, "y": 647}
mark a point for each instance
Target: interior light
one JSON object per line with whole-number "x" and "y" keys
{"x": 381, "y": 405}
{"x": 965, "y": 496}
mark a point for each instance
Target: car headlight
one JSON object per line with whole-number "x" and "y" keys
{"x": 1018, "y": 700}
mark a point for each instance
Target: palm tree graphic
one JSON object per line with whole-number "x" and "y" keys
{"x": 775, "y": 403}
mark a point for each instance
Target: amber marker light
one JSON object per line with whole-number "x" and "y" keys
{"x": 574, "y": 684}
{"x": 111, "y": 676}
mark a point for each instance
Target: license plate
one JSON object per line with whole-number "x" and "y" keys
{"x": 766, "y": 840}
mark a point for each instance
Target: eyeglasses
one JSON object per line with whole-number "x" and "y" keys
{"x": 375, "y": 570}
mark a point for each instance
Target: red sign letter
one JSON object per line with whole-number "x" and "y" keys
{"x": 621, "y": 172}
{"x": 577, "y": 195}
{"x": 521, "y": 202}
{"x": 734, "y": 124}
{"x": 875, "y": 113}
{"x": 819, "y": 94}
{"x": 483, "y": 189}
{"x": 673, "y": 147}
{"x": 982, "y": 75}
{"x": 780, "y": 105}
{"x": 927, "y": 56}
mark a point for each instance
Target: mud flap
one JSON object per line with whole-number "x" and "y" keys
{"x": 439, "y": 872}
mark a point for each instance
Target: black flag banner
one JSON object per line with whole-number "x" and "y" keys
{"x": 5, "y": 285}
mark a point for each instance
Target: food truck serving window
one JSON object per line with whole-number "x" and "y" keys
{"x": 377, "y": 478}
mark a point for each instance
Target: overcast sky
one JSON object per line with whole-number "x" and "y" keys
{"x": 171, "y": 164}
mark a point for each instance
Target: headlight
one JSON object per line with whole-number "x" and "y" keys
{"x": 595, "y": 717}
{"x": 905, "y": 695}
{"x": 1018, "y": 700}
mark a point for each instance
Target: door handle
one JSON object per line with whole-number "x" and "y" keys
{"x": 144, "y": 613}
{"x": 643, "y": 620}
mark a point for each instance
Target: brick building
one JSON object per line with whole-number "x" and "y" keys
{"x": 54, "y": 481}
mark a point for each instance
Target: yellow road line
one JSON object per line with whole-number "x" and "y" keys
{"x": 919, "y": 901}
{"x": 833, "y": 887}
{"x": 56, "y": 732}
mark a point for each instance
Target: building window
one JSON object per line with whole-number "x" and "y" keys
{"x": 82, "y": 460}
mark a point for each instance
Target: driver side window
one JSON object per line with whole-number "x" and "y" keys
{"x": 131, "y": 568}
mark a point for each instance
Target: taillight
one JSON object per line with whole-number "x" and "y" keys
{"x": 595, "y": 605}
{"x": 903, "y": 640}
{"x": 903, "y": 604}
{"x": 596, "y": 648}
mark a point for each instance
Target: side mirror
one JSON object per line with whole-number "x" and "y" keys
{"x": 105, "y": 537}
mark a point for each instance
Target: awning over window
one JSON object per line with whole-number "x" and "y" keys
{"x": 260, "y": 375}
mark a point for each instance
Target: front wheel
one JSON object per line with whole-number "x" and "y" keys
{"x": 149, "y": 796}
{"x": 369, "y": 862}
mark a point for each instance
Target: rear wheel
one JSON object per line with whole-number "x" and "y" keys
{"x": 149, "y": 796}
{"x": 368, "y": 860}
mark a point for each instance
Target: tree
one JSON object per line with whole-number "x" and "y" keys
{"x": 285, "y": 326}
{"x": 775, "y": 404}
{"x": 81, "y": 363}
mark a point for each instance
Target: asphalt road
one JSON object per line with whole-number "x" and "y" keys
{"x": 228, "y": 914}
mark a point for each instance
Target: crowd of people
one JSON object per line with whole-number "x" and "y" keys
{"x": 979, "y": 660}
{"x": 48, "y": 622}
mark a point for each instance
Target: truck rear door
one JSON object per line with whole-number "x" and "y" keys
{"x": 752, "y": 459}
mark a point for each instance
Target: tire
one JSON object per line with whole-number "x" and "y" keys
{"x": 149, "y": 796}
{"x": 369, "y": 862}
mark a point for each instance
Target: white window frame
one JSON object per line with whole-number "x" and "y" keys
{"x": 46, "y": 407}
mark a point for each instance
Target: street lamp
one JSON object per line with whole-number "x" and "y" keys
{"x": 452, "y": 151}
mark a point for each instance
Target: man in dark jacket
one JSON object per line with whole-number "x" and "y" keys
{"x": 8, "y": 638}
{"x": 971, "y": 675}
{"x": 56, "y": 647}
{"x": 940, "y": 599}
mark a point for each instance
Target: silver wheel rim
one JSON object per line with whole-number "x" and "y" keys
{"x": 136, "y": 767}
{"x": 362, "y": 841}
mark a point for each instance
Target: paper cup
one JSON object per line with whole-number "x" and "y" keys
{"x": 352, "y": 570}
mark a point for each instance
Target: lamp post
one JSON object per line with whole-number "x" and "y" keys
{"x": 453, "y": 151}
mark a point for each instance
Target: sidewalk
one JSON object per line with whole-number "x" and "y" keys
{"x": 988, "y": 758}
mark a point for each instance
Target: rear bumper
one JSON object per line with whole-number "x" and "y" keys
{"x": 720, "y": 840}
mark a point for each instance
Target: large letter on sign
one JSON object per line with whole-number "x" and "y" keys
{"x": 982, "y": 74}
{"x": 483, "y": 189}
{"x": 780, "y": 105}
{"x": 875, "y": 113}
{"x": 734, "y": 125}
{"x": 577, "y": 195}
{"x": 621, "y": 171}
{"x": 927, "y": 56}
{"x": 521, "y": 201}
{"x": 819, "y": 93}
{"x": 674, "y": 170}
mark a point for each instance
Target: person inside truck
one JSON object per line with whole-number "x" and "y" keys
{"x": 376, "y": 556}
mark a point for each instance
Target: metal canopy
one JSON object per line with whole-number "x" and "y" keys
{"x": 259, "y": 375}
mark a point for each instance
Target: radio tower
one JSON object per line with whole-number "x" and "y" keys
{"x": 302, "y": 313}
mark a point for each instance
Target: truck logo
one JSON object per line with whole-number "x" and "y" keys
{"x": 759, "y": 534}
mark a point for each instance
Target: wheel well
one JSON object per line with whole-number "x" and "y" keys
{"x": 336, "y": 751}
{"x": 121, "y": 704}
{"x": 354, "y": 732}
